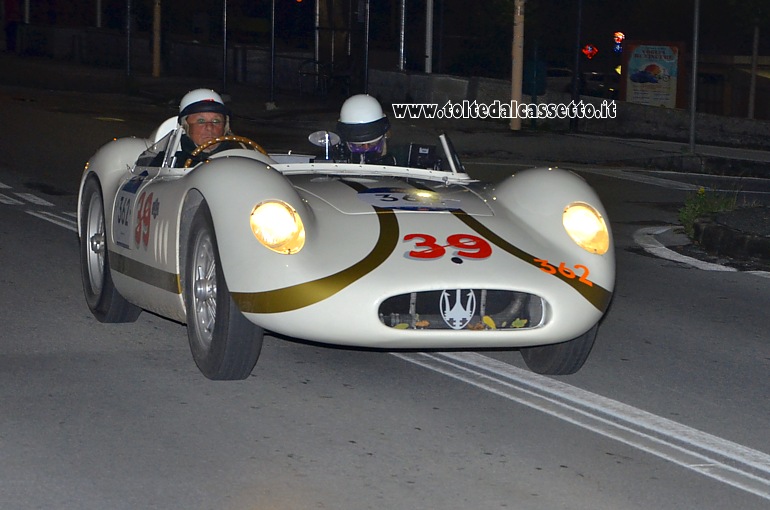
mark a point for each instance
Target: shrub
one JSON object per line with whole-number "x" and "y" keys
{"x": 705, "y": 203}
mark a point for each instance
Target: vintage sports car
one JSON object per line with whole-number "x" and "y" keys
{"x": 415, "y": 257}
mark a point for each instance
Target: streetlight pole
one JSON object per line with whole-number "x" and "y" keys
{"x": 694, "y": 75}
{"x": 402, "y": 35}
{"x": 128, "y": 39}
{"x": 573, "y": 121}
{"x": 367, "y": 13}
{"x": 271, "y": 104}
{"x": 517, "y": 61}
{"x": 224, "y": 47}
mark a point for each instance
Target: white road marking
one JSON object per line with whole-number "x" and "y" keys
{"x": 5, "y": 199}
{"x": 620, "y": 173}
{"x": 632, "y": 175}
{"x": 65, "y": 220}
{"x": 55, "y": 219}
{"x": 34, "y": 199}
{"x": 728, "y": 462}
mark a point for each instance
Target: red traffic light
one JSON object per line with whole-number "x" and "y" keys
{"x": 589, "y": 50}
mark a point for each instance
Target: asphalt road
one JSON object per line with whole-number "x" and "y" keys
{"x": 670, "y": 411}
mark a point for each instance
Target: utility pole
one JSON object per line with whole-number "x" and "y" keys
{"x": 429, "y": 37}
{"x": 517, "y": 60}
{"x": 754, "y": 58}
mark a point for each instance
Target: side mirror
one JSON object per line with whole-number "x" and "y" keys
{"x": 325, "y": 139}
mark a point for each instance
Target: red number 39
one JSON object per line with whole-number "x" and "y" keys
{"x": 468, "y": 246}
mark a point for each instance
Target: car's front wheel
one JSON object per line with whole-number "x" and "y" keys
{"x": 224, "y": 344}
{"x": 560, "y": 359}
{"x": 103, "y": 299}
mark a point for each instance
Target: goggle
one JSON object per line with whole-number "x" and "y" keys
{"x": 363, "y": 147}
{"x": 202, "y": 122}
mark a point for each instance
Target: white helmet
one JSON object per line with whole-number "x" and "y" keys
{"x": 362, "y": 120}
{"x": 202, "y": 100}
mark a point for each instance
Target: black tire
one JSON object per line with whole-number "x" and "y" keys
{"x": 224, "y": 344}
{"x": 103, "y": 299}
{"x": 560, "y": 359}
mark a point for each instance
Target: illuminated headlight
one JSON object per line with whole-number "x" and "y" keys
{"x": 277, "y": 225}
{"x": 586, "y": 227}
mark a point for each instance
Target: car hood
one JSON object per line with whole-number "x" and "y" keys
{"x": 364, "y": 195}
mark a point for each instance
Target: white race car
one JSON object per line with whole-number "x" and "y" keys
{"x": 417, "y": 257}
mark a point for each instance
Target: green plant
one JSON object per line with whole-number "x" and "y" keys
{"x": 704, "y": 203}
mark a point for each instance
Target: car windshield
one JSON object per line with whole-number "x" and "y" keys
{"x": 153, "y": 156}
{"x": 431, "y": 156}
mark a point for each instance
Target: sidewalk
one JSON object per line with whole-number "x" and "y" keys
{"x": 742, "y": 234}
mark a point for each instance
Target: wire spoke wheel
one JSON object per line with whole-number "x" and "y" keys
{"x": 104, "y": 300}
{"x": 204, "y": 284}
{"x": 95, "y": 243}
{"x": 224, "y": 344}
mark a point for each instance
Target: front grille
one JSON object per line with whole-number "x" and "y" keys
{"x": 455, "y": 309}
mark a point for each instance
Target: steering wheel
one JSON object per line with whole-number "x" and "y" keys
{"x": 226, "y": 138}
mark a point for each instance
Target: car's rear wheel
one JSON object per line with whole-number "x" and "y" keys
{"x": 103, "y": 299}
{"x": 224, "y": 344}
{"x": 560, "y": 359}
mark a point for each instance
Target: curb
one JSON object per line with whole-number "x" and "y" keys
{"x": 721, "y": 239}
{"x": 649, "y": 239}
{"x": 646, "y": 238}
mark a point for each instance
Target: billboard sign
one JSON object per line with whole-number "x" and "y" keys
{"x": 651, "y": 73}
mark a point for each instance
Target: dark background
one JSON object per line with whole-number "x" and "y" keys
{"x": 469, "y": 38}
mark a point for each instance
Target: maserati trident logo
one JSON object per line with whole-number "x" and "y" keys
{"x": 457, "y": 312}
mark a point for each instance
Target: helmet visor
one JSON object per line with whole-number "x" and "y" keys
{"x": 363, "y": 132}
{"x": 204, "y": 106}
{"x": 375, "y": 145}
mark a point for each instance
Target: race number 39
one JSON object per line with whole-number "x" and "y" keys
{"x": 143, "y": 210}
{"x": 465, "y": 245}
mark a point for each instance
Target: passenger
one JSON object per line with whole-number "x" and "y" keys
{"x": 364, "y": 131}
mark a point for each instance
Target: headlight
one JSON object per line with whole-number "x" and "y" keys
{"x": 586, "y": 227}
{"x": 277, "y": 225}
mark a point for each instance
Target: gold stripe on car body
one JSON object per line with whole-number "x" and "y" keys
{"x": 305, "y": 294}
{"x": 594, "y": 294}
{"x": 598, "y": 296}
{"x": 170, "y": 282}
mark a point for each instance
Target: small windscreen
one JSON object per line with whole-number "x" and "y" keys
{"x": 422, "y": 156}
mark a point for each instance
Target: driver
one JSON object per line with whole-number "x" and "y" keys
{"x": 203, "y": 117}
{"x": 364, "y": 130}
